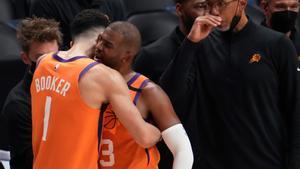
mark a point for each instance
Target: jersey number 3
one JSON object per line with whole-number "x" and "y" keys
{"x": 108, "y": 152}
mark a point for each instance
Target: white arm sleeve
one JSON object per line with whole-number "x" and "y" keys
{"x": 4, "y": 155}
{"x": 179, "y": 144}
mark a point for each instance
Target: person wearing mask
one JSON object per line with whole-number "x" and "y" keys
{"x": 281, "y": 16}
{"x": 154, "y": 58}
{"x": 37, "y": 36}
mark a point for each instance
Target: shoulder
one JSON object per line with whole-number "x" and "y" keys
{"x": 274, "y": 44}
{"x": 159, "y": 52}
{"x": 15, "y": 102}
{"x": 296, "y": 40}
{"x": 16, "y": 95}
{"x": 151, "y": 86}
{"x": 151, "y": 95}
{"x": 42, "y": 58}
{"x": 267, "y": 38}
{"x": 102, "y": 80}
{"x": 152, "y": 90}
{"x": 266, "y": 34}
{"x": 103, "y": 74}
{"x": 104, "y": 70}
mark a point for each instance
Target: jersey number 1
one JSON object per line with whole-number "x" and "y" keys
{"x": 46, "y": 116}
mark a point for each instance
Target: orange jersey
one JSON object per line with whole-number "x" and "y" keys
{"x": 119, "y": 150}
{"x": 64, "y": 127}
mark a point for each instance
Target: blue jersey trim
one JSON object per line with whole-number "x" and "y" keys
{"x": 60, "y": 59}
{"x": 87, "y": 68}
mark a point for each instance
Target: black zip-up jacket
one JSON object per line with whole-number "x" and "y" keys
{"x": 238, "y": 97}
{"x": 17, "y": 113}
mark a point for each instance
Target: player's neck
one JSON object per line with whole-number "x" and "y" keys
{"x": 79, "y": 49}
{"x": 127, "y": 74}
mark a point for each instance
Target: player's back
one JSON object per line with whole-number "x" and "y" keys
{"x": 65, "y": 128}
{"x": 119, "y": 149}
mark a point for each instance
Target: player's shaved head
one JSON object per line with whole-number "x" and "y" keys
{"x": 131, "y": 35}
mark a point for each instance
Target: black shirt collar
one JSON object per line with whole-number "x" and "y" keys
{"x": 249, "y": 25}
{"x": 178, "y": 34}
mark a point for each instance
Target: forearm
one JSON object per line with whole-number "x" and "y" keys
{"x": 179, "y": 144}
{"x": 146, "y": 135}
{"x": 152, "y": 137}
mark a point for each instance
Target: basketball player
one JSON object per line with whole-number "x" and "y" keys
{"x": 68, "y": 90}
{"x": 116, "y": 47}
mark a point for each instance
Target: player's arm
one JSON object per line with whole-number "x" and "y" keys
{"x": 144, "y": 133}
{"x": 166, "y": 119}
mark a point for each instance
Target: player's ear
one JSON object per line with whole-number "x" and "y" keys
{"x": 25, "y": 58}
{"x": 127, "y": 57}
{"x": 71, "y": 44}
{"x": 243, "y": 4}
{"x": 179, "y": 9}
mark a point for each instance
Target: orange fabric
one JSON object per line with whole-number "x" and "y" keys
{"x": 71, "y": 140}
{"x": 119, "y": 150}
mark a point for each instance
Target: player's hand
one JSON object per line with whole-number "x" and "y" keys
{"x": 202, "y": 26}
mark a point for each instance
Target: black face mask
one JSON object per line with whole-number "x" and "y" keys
{"x": 235, "y": 20}
{"x": 283, "y": 21}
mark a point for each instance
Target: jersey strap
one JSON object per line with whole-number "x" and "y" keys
{"x": 136, "y": 84}
{"x": 87, "y": 68}
{"x": 60, "y": 59}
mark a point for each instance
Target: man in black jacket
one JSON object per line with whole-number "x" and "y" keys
{"x": 37, "y": 36}
{"x": 154, "y": 58}
{"x": 234, "y": 86}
